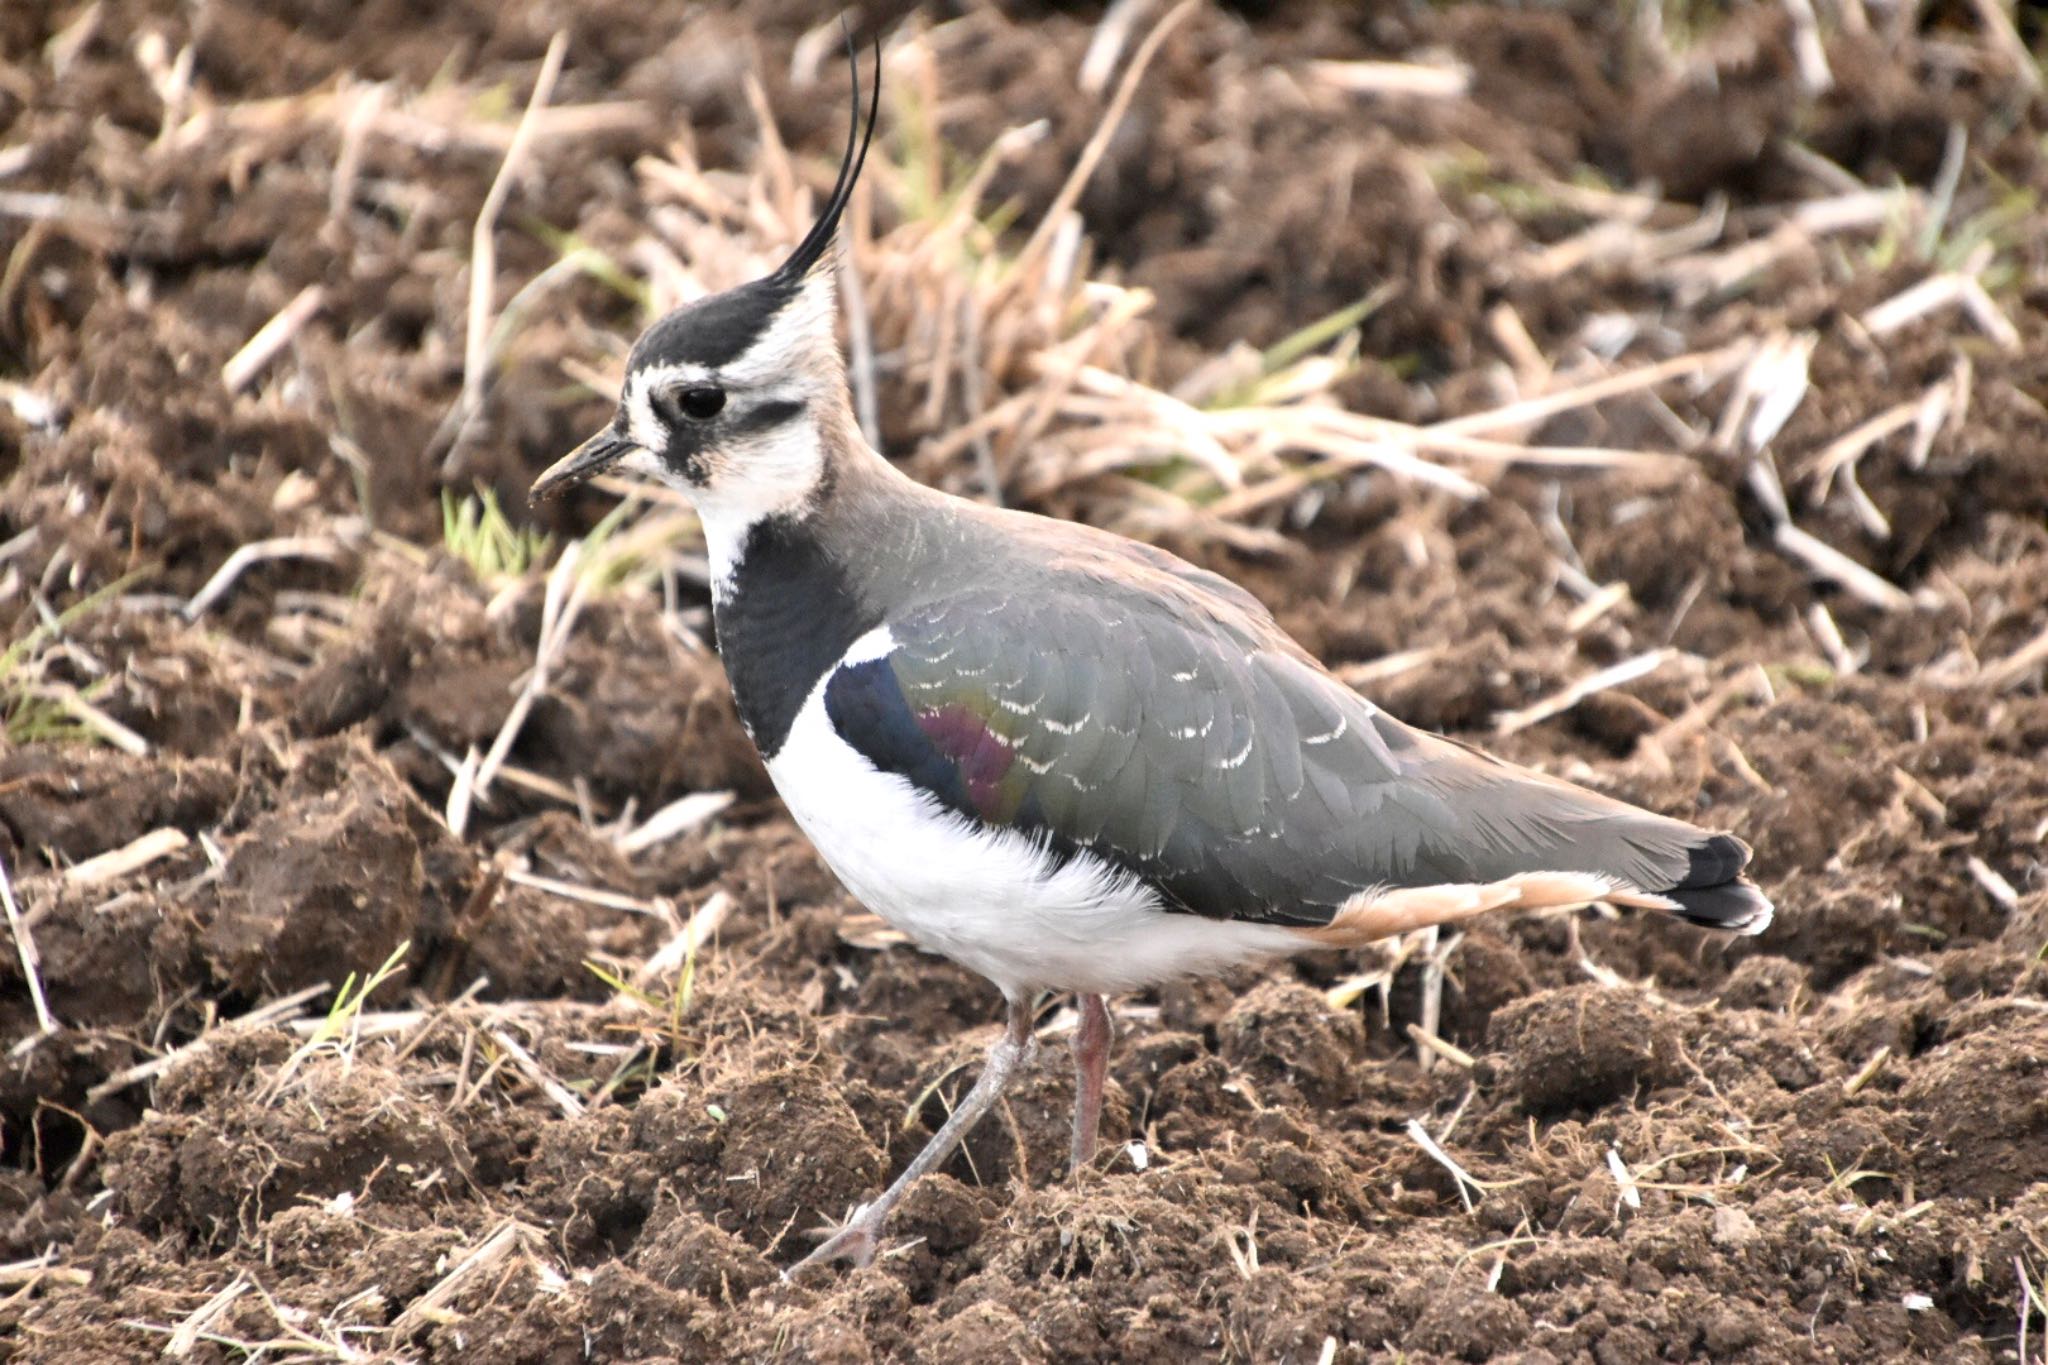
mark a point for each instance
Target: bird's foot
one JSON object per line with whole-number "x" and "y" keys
{"x": 856, "y": 1240}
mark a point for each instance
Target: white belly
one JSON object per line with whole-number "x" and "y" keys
{"x": 994, "y": 901}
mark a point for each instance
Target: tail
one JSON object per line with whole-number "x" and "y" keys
{"x": 1464, "y": 833}
{"x": 1715, "y": 894}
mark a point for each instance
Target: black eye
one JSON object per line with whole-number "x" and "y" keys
{"x": 698, "y": 402}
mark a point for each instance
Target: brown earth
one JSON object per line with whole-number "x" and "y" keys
{"x": 1829, "y": 1143}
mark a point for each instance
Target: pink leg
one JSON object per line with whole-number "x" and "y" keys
{"x": 861, "y": 1236}
{"x": 1091, "y": 1064}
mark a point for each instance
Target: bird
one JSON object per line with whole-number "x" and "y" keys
{"x": 1070, "y": 761}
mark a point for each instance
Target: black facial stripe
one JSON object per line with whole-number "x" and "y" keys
{"x": 684, "y": 451}
{"x": 761, "y": 416}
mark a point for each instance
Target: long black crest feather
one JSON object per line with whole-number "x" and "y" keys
{"x": 818, "y": 240}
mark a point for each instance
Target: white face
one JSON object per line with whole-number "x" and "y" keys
{"x": 760, "y": 453}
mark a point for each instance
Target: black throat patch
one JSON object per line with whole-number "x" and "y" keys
{"x": 790, "y": 616}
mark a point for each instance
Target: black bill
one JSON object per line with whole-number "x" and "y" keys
{"x": 585, "y": 462}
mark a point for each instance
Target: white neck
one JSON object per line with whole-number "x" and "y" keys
{"x": 774, "y": 475}
{"x": 726, "y": 523}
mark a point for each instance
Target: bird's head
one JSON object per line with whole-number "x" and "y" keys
{"x": 735, "y": 400}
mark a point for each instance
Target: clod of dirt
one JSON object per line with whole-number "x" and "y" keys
{"x": 354, "y": 681}
{"x": 108, "y": 966}
{"x": 1468, "y": 1323}
{"x": 1984, "y": 1107}
{"x": 1696, "y": 133}
{"x": 1288, "y": 1040}
{"x": 1767, "y": 983}
{"x": 945, "y": 1216}
{"x": 67, "y": 802}
{"x": 794, "y": 1149}
{"x": 679, "y": 1248}
{"x": 1490, "y": 973}
{"x": 636, "y": 714}
{"x": 986, "y": 1332}
{"x": 1582, "y": 1047}
{"x": 219, "y": 1156}
{"x": 531, "y": 946}
{"x": 325, "y": 885}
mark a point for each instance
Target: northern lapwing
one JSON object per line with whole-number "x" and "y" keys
{"x": 1064, "y": 759}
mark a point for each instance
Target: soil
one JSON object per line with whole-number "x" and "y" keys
{"x": 1826, "y": 1143}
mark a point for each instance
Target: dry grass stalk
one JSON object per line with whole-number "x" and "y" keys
{"x": 1461, "y": 1179}
{"x": 363, "y": 109}
{"x": 1702, "y": 368}
{"x": 1915, "y": 794}
{"x": 1752, "y": 682}
{"x": 39, "y": 1270}
{"x": 433, "y": 120}
{"x": 1029, "y": 259}
{"x": 527, "y": 1065}
{"x": 1829, "y": 563}
{"x": 96, "y": 225}
{"x": 1614, "y": 675}
{"x": 1411, "y": 80}
{"x": 370, "y": 1024}
{"x": 560, "y": 607}
{"x": 483, "y": 253}
{"x": 25, "y": 950}
{"x": 1769, "y": 387}
{"x": 1767, "y": 392}
{"x": 1442, "y": 1047}
{"x": 130, "y": 857}
{"x": 2016, "y": 668}
{"x": 703, "y": 924}
{"x": 1868, "y": 1072}
{"x": 587, "y": 895}
{"x": 1845, "y": 450}
{"x": 92, "y": 717}
{"x": 244, "y": 365}
{"x": 1812, "y": 58}
{"x": 1106, "y": 44}
{"x": 185, "y": 1338}
{"x": 1435, "y": 953}
{"x": 2031, "y": 1296}
{"x": 1954, "y": 289}
{"x": 1390, "y": 666}
{"x": 1396, "y": 952}
{"x": 1624, "y": 1179}
{"x": 1603, "y": 600}
{"x": 432, "y": 1306}
{"x": 1994, "y": 883}
{"x": 677, "y": 818}
{"x": 1255, "y": 435}
{"x": 462, "y": 791}
{"x": 2004, "y": 36}
{"x": 275, "y": 1011}
{"x": 1942, "y": 408}
{"x": 1820, "y": 623}
{"x": 325, "y": 549}
{"x": 1622, "y": 243}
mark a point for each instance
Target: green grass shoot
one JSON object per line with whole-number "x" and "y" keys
{"x": 476, "y": 530}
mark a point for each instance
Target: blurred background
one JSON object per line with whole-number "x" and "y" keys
{"x": 409, "y": 956}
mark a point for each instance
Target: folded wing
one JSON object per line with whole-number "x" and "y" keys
{"x": 1181, "y": 738}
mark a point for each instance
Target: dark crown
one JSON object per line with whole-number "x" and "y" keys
{"x": 718, "y": 330}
